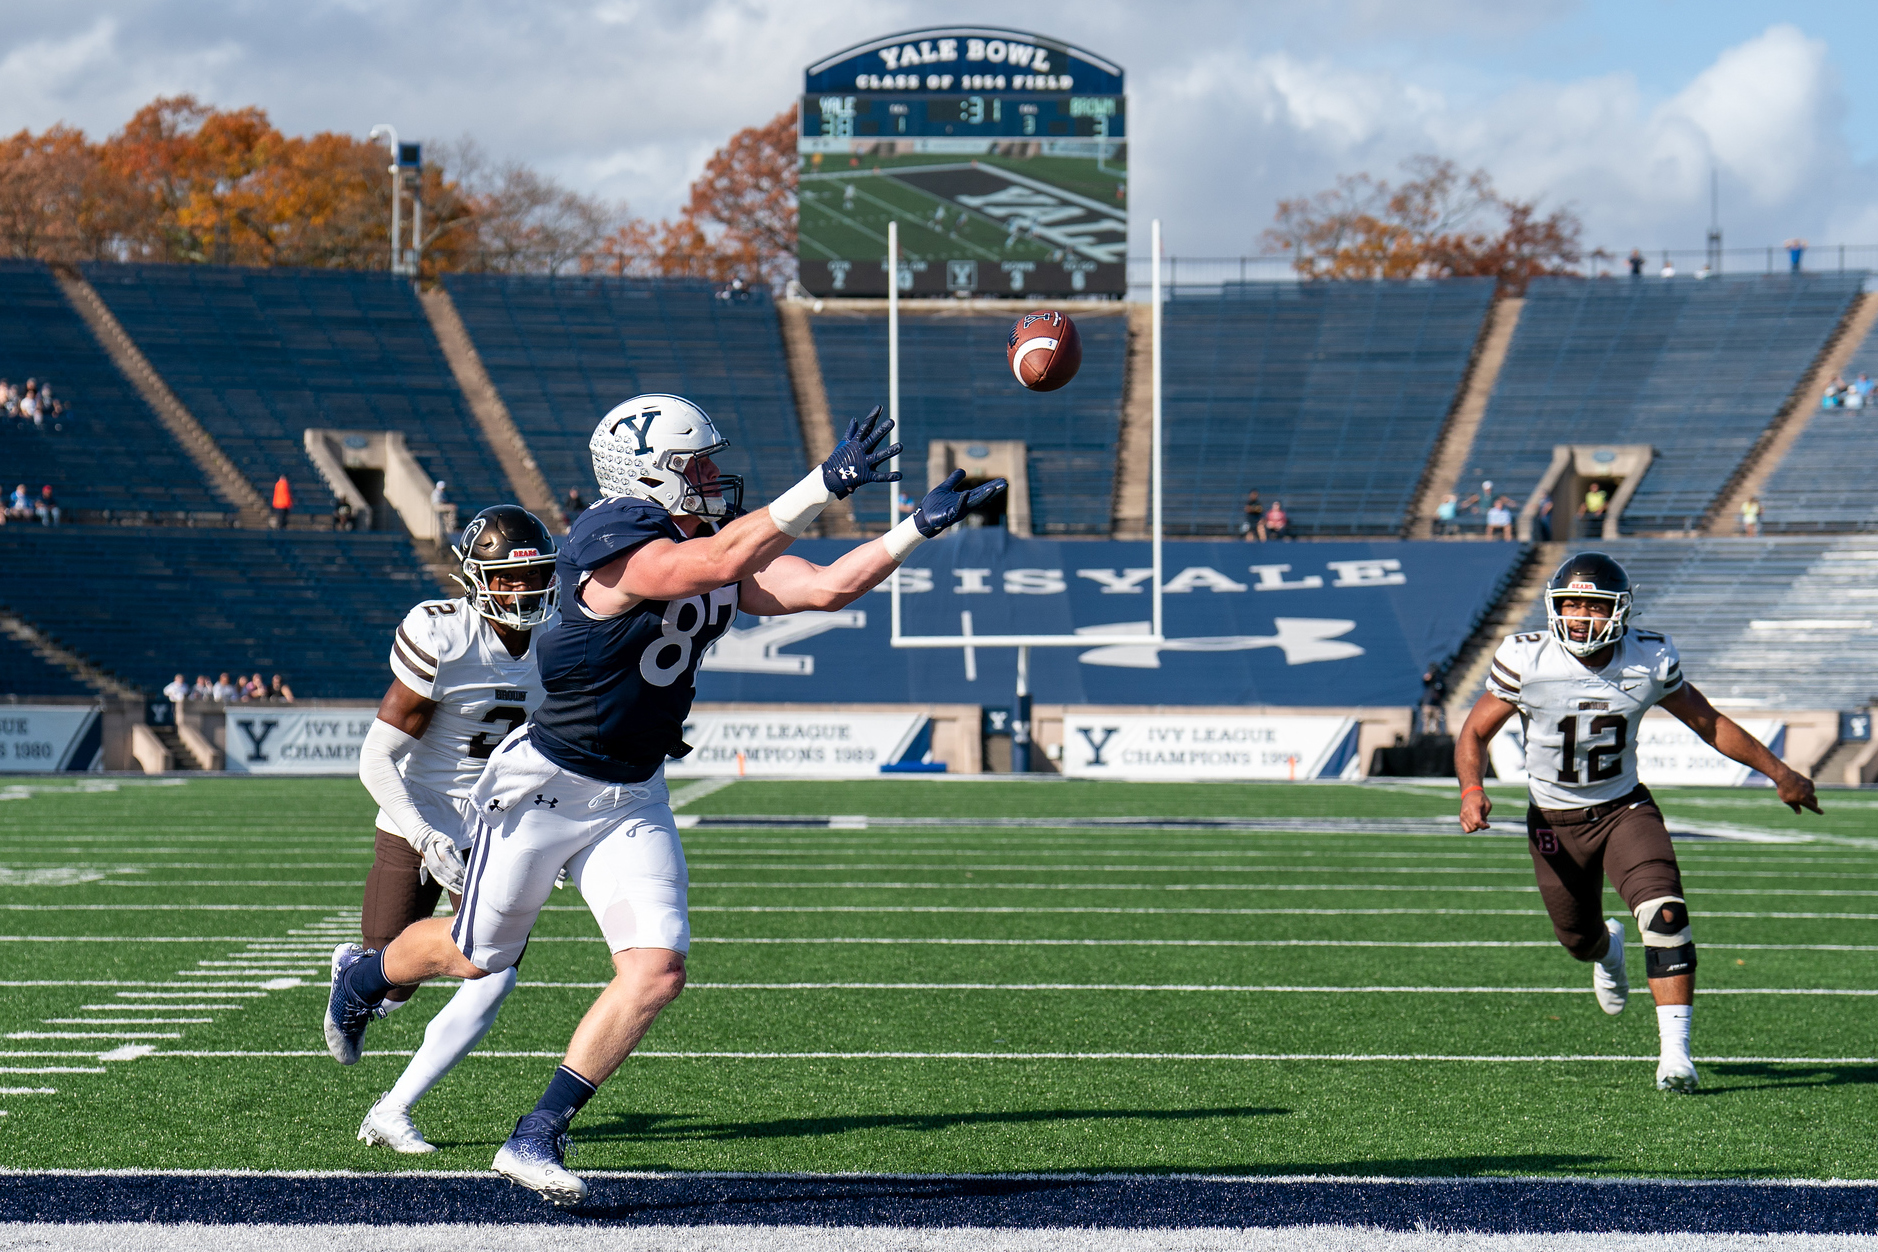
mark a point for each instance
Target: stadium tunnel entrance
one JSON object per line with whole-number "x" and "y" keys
{"x": 1575, "y": 469}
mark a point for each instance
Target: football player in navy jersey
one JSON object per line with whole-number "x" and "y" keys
{"x": 581, "y": 786}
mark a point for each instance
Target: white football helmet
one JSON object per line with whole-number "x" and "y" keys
{"x": 644, "y": 446}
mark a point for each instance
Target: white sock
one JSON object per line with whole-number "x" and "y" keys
{"x": 392, "y": 1006}
{"x": 1672, "y": 1024}
{"x": 452, "y": 1034}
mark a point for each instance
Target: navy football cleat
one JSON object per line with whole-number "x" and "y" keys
{"x": 346, "y": 1014}
{"x": 533, "y": 1158}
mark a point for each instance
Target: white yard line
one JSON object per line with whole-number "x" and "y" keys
{"x": 1183, "y": 988}
{"x": 865, "y": 1055}
{"x": 1344, "y": 888}
{"x": 1021, "y": 909}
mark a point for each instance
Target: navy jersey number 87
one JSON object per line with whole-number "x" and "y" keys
{"x": 619, "y": 688}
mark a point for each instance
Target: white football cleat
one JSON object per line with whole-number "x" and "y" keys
{"x": 534, "y": 1157}
{"x": 1676, "y": 1073}
{"x": 390, "y": 1126}
{"x": 1610, "y": 982}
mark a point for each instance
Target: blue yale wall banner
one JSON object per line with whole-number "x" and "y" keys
{"x": 1300, "y": 624}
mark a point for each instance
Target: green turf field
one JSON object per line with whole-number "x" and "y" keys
{"x": 1115, "y": 993}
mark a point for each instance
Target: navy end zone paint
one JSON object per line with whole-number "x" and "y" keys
{"x": 1504, "y": 1205}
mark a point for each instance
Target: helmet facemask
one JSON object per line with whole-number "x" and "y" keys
{"x": 1602, "y": 632}
{"x": 524, "y": 610}
{"x": 719, "y": 500}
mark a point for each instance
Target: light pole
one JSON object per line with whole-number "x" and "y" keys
{"x": 397, "y": 191}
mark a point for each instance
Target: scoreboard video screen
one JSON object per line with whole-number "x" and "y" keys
{"x": 1003, "y": 156}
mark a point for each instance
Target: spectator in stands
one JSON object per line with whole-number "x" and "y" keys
{"x": 1500, "y": 518}
{"x": 20, "y": 504}
{"x": 1835, "y": 394}
{"x": 1636, "y": 263}
{"x": 29, "y": 405}
{"x": 1862, "y": 387}
{"x": 203, "y": 690}
{"x": 575, "y": 506}
{"x": 1669, "y": 268}
{"x": 1751, "y": 516}
{"x": 1448, "y": 515}
{"x": 1592, "y": 510}
{"x": 1796, "y": 253}
{"x": 441, "y": 507}
{"x": 225, "y": 691}
{"x": 255, "y": 688}
{"x": 283, "y": 502}
{"x": 279, "y": 690}
{"x": 1277, "y": 521}
{"x": 47, "y": 507}
{"x": 1434, "y": 713}
{"x": 344, "y": 519}
{"x": 176, "y": 691}
{"x": 1252, "y": 529}
{"x": 1542, "y": 521}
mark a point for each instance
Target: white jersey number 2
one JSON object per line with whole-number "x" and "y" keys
{"x": 1603, "y": 761}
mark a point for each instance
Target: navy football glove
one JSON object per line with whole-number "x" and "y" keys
{"x": 855, "y": 460}
{"x": 946, "y": 504}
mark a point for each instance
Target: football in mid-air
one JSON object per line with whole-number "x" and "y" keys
{"x": 1045, "y": 350}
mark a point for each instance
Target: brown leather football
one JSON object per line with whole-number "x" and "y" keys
{"x": 1045, "y": 350}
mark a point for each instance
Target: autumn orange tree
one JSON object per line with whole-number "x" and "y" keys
{"x": 187, "y": 182}
{"x": 1439, "y": 222}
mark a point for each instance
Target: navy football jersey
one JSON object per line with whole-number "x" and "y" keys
{"x": 619, "y": 688}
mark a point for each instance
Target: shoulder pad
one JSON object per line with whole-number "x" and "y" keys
{"x": 435, "y": 631}
{"x": 614, "y": 526}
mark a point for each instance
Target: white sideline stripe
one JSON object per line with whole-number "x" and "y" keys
{"x": 141, "y": 939}
{"x": 1022, "y": 909}
{"x": 211, "y": 990}
{"x": 158, "y": 1008}
{"x": 170, "y": 908}
{"x": 1230, "y": 943}
{"x": 95, "y": 1034}
{"x": 1252, "y": 988}
{"x": 125, "y": 1021}
{"x": 29, "y": 1091}
{"x": 1148, "y": 868}
{"x": 236, "y": 882}
{"x": 1409, "y": 1057}
{"x": 50, "y": 1069}
{"x": 1343, "y": 887}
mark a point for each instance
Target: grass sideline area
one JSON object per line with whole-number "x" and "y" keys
{"x": 1059, "y": 996}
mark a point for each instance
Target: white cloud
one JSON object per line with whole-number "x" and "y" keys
{"x": 1232, "y": 105}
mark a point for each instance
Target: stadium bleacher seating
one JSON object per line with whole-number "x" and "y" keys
{"x": 1828, "y": 481}
{"x": 563, "y": 351}
{"x": 1695, "y": 369}
{"x": 143, "y": 603}
{"x": 261, "y": 355}
{"x": 23, "y": 674}
{"x": 1767, "y": 623}
{"x": 954, "y": 384}
{"x": 1327, "y": 397}
{"x": 112, "y": 452}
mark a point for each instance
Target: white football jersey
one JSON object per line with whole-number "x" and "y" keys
{"x": 446, "y": 651}
{"x": 1581, "y": 724}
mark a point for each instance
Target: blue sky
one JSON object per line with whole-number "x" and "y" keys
{"x": 1617, "y": 109}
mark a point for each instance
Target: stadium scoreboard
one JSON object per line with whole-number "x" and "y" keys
{"x": 1003, "y": 156}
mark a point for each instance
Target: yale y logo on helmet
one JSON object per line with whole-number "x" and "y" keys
{"x": 648, "y": 446}
{"x": 507, "y": 541}
{"x": 1588, "y": 576}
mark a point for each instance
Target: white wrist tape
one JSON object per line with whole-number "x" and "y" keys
{"x": 384, "y": 746}
{"x": 902, "y": 539}
{"x": 795, "y": 508}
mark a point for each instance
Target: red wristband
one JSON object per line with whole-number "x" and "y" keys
{"x": 1476, "y": 787}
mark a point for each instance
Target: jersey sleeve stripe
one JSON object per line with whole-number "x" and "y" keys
{"x": 417, "y": 651}
{"x": 1506, "y": 675}
{"x": 427, "y": 673}
{"x": 1506, "y": 669}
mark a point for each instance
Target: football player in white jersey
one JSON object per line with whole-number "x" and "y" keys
{"x": 1581, "y": 688}
{"x": 464, "y": 676}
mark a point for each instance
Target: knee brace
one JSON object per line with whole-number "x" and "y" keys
{"x": 1668, "y": 945}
